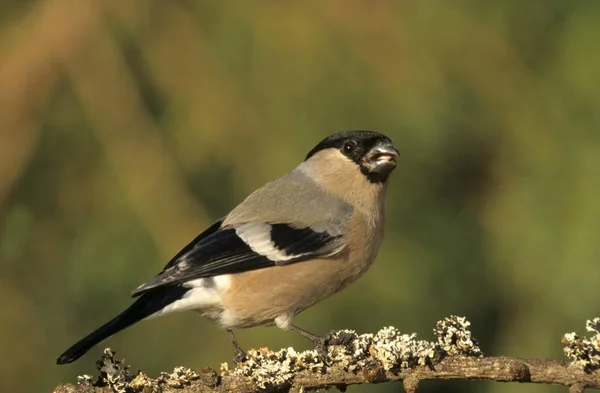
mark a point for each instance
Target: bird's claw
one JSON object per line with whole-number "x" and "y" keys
{"x": 321, "y": 346}
{"x": 239, "y": 356}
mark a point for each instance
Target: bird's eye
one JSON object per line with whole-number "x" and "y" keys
{"x": 348, "y": 147}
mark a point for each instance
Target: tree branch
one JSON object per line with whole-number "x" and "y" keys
{"x": 352, "y": 359}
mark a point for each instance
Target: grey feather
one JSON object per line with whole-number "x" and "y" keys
{"x": 297, "y": 200}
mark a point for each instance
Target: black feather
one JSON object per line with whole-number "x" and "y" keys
{"x": 363, "y": 141}
{"x": 142, "y": 308}
{"x": 208, "y": 231}
{"x": 296, "y": 241}
{"x": 224, "y": 252}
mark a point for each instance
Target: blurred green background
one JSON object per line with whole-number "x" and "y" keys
{"x": 128, "y": 126}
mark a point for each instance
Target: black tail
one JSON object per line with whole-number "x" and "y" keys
{"x": 146, "y": 305}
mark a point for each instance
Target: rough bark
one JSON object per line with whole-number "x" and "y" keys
{"x": 386, "y": 356}
{"x": 500, "y": 369}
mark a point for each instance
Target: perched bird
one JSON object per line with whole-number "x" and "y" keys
{"x": 292, "y": 243}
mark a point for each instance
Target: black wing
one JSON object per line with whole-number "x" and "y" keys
{"x": 241, "y": 248}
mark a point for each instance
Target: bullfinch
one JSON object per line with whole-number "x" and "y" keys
{"x": 292, "y": 243}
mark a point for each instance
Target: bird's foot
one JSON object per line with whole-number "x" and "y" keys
{"x": 239, "y": 356}
{"x": 321, "y": 348}
{"x": 321, "y": 343}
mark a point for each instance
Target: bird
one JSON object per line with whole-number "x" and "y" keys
{"x": 290, "y": 244}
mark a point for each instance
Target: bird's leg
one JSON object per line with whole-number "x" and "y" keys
{"x": 238, "y": 353}
{"x": 319, "y": 342}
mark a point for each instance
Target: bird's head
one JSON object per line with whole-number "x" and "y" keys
{"x": 373, "y": 153}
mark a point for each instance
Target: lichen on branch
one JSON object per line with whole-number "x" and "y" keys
{"x": 388, "y": 355}
{"x": 584, "y": 352}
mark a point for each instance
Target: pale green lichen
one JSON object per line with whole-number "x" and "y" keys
{"x": 400, "y": 351}
{"x": 85, "y": 379}
{"x": 180, "y": 377}
{"x": 584, "y": 352}
{"x": 454, "y": 337}
{"x": 268, "y": 368}
{"x": 117, "y": 375}
{"x": 345, "y": 349}
{"x": 113, "y": 372}
{"x": 352, "y": 352}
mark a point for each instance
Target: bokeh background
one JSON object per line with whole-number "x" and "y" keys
{"x": 129, "y": 126}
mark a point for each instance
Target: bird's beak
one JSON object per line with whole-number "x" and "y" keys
{"x": 381, "y": 158}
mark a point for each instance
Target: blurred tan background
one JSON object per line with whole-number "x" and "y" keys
{"x": 126, "y": 127}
